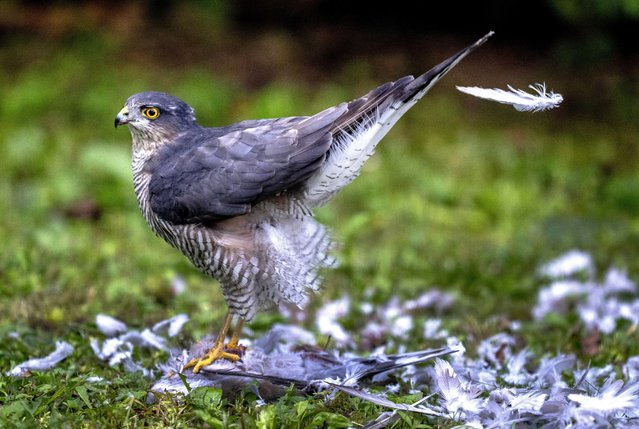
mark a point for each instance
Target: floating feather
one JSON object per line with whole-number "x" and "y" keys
{"x": 518, "y": 98}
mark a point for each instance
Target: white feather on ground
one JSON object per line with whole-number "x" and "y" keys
{"x": 61, "y": 352}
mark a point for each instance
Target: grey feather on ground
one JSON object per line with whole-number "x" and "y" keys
{"x": 276, "y": 361}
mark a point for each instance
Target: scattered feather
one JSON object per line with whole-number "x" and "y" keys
{"x": 500, "y": 385}
{"x": 433, "y": 330}
{"x": 119, "y": 350}
{"x": 518, "y": 98}
{"x": 109, "y": 326}
{"x": 568, "y": 264}
{"x": 394, "y": 319}
{"x": 327, "y": 320}
{"x": 556, "y": 297}
{"x": 402, "y": 326}
{"x": 617, "y": 281}
{"x": 172, "y": 326}
{"x": 434, "y": 298}
{"x": 528, "y": 402}
{"x": 384, "y": 420}
{"x": 381, "y": 401}
{"x": 613, "y": 397}
{"x": 516, "y": 367}
{"x": 551, "y": 369}
{"x": 496, "y": 349}
{"x": 178, "y": 285}
{"x": 61, "y": 352}
{"x": 631, "y": 368}
{"x": 600, "y": 305}
{"x": 457, "y": 396}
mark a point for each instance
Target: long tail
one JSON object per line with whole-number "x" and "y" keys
{"x": 366, "y": 121}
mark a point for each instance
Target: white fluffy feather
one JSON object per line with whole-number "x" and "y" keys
{"x": 518, "y": 98}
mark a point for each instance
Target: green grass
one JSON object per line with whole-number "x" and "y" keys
{"x": 463, "y": 195}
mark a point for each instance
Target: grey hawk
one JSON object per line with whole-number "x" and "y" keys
{"x": 237, "y": 200}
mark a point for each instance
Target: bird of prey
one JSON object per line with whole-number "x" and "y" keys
{"x": 237, "y": 200}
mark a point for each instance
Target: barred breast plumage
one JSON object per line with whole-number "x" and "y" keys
{"x": 271, "y": 255}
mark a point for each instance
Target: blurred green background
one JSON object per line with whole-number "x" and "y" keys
{"x": 464, "y": 194}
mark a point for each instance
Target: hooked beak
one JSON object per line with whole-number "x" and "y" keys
{"x": 122, "y": 117}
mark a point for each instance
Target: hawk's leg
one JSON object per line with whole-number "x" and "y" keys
{"x": 231, "y": 351}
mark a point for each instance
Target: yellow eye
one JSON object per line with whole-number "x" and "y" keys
{"x": 151, "y": 112}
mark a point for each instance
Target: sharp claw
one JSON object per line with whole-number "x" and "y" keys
{"x": 232, "y": 351}
{"x": 218, "y": 352}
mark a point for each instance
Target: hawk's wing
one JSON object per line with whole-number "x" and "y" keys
{"x": 218, "y": 173}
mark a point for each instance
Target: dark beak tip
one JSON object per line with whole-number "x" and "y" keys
{"x": 118, "y": 121}
{"x": 122, "y": 118}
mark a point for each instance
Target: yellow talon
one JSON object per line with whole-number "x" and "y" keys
{"x": 217, "y": 352}
{"x": 231, "y": 351}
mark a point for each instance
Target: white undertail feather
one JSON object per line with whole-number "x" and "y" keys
{"x": 350, "y": 152}
{"x": 287, "y": 264}
{"x": 299, "y": 248}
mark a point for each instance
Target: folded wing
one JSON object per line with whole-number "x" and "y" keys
{"x": 213, "y": 174}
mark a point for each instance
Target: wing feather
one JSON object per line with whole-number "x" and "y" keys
{"x": 217, "y": 173}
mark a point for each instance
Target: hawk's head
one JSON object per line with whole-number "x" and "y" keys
{"x": 155, "y": 117}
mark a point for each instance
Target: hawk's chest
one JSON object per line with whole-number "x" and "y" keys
{"x": 194, "y": 240}
{"x": 141, "y": 180}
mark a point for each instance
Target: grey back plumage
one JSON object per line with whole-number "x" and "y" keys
{"x": 217, "y": 173}
{"x": 237, "y": 200}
